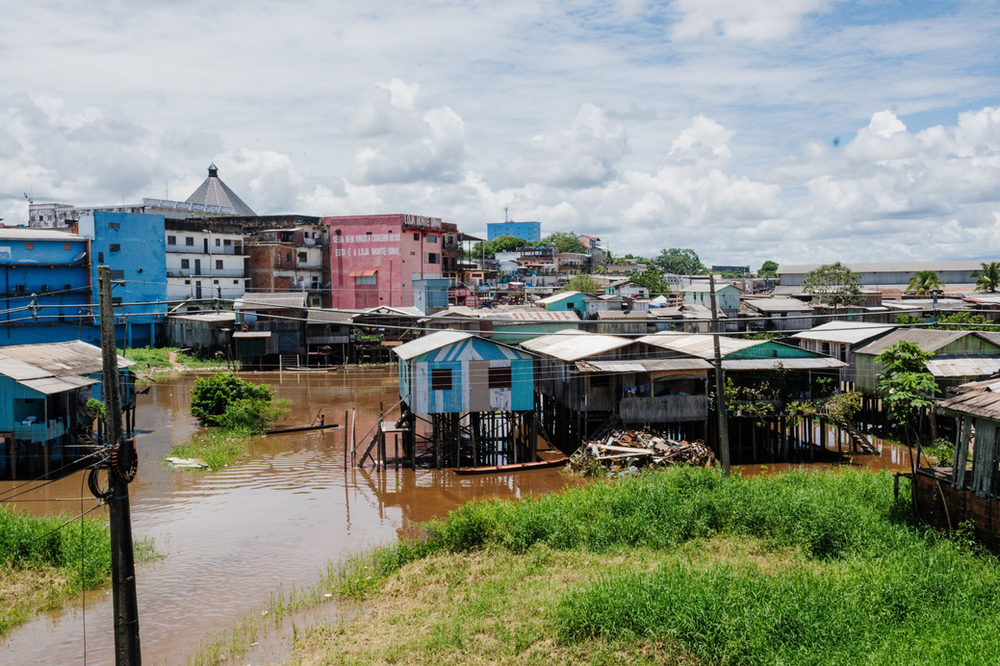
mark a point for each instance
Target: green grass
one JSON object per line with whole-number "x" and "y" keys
{"x": 802, "y": 568}
{"x": 40, "y": 568}
{"x": 218, "y": 447}
{"x": 152, "y": 359}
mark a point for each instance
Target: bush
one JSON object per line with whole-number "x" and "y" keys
{"x": 212, "y": 397}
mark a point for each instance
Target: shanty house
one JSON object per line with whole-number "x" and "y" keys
{"x": 619, "y": 322}
{"x": 574, "y": 301}
{"x": 959, "y": 356}
{"x": 777, "y": 314}
{"x": 840, "y": 339}
{"x": 517, "y": 325}
{"x": 454, "y": 372}
{"x": 43, "y": 387}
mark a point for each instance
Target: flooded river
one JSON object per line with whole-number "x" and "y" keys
{"x": 232, "y": 537}
{"x": 271, "y": 521}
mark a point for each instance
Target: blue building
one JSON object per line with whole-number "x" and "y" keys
{"x": 133, "y": 245}
{"x": 529, "y": 231}
{"x": 47, "y": 287}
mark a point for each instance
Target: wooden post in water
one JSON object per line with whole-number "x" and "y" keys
{"x": 347, "y": 446}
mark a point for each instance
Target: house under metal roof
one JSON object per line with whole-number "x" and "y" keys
{"x": 928, "y": 339}
{"x": 777, "y": 305}
{"x": 54, "y": 368}
{"x": 976, "y": 399}
{"x": 214, "y": 192}
{"x": 697, "y": 345}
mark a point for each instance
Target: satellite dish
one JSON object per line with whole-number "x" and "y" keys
{"x": 80, "y": 256}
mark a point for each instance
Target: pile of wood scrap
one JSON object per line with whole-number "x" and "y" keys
{"x": 627, "y": 451}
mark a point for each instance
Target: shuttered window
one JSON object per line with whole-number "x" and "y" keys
{"x": 441, "y": 379}
{"x": 500, "y": 378}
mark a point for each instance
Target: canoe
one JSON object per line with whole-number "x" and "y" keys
{"x": 514, "y": 467}
{"x": 304, "y": 428}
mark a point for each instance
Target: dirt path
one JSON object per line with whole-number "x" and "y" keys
{"x": 173, "y": 360}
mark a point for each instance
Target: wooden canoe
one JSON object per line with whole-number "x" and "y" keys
{"x": 302, "y": 428}
{"x": 514, "y": 467}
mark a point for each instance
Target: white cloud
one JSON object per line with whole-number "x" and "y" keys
{"x": 749, "y": 20}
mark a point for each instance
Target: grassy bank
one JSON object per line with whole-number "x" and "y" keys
{"x": 41, "y": 568}
{"x": 682, "y": 567}
{"x": 157, "y": 359}
{"x": 217, "y": 447}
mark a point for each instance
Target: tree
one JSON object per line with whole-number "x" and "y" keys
{"x": 652, "y": 279}
{"x": 987, "y": 279}
{"x": 834, "y": 284}
{"x": 769, "y": 269}
{"x": 680, "y": 261}
{"x": 905, "y": 386}
{"x": 582, "y": 283}
{"x": 230, "y": 402}
{"x": 564, "y": 241}
{"x": 489, "y": 249}
{"x": 923, "y": 283}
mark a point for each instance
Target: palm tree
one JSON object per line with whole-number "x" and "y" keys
{"x": 987, "y": 279}
{"x": 923, "y": 283}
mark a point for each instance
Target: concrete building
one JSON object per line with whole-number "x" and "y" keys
{"x": 214, "y": 192}
{"x": 293, "y": 259}
{"x": 134, "y": 247}
{"x": 529, "y": 231}
{"x": 894, "y": 275}
{"x": 375, "y": 259}
{"x": 204, "y": 260}
{"x": 46, "y": 286}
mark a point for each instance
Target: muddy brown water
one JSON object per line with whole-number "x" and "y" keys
{"x": 272, "y": 521}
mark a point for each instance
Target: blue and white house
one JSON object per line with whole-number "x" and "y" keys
{"x": 454, "y": 372}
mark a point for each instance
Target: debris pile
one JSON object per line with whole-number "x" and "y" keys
{"x": 628, "y": 451}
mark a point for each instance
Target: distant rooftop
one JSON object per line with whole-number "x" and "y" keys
{"x": 214, "y": 192}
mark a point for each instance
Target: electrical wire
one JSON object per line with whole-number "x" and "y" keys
{"x": 5, "y": 497}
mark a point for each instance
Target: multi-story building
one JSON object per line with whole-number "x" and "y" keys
{"x": 292, "y": 259}
{"x": 375, "y": 259}
{"x": 133, "y": 246}
{"x": 529, "y": 231}
{"x": 46, "y": 286}
{"x": 205, "y": 259}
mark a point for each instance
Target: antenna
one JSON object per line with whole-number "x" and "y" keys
{"x": 505, "y": 214}
{"x": 166, "y": 191}
{"x": 31, "y": 199}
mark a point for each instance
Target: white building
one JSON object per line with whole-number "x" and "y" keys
{"x": 205, "y": 260}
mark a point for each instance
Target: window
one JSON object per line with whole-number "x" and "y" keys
{"x": 288, "y": 257}
{"x": 433, "y": 258}
{"x": 117, "y": 274}
{"x": 431, "y": 238}
{"x": 416, "y": 237}
{"x": 116, "y": 300}
{"x": 365, "y": 280}
{"x": 100, "y": 257}
{"x": 499, "y": 378}
{"x": 189, "y": 241}
{"x": 236, "y": 281}
{"x": 67, "y": 246}
{"x": 114, "y": 225}
{"x": 171, "y": 240}
{"x": 227, "y": 242}
{"x": 19, "y": 289}
{"x": 115, "y": 247}
{"x": 215, "y": 282}
{"x": 218, "y": 242}
{"x": 185, "y": 263}
{"x": 441, "y": 379}
{"x": 303, "y": 257}
{"x": 187, "y": 281}
{"x": 29, "y": 246}
{"x": 218, "y": 264}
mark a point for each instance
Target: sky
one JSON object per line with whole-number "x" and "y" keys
{"x": 794, "y": 130}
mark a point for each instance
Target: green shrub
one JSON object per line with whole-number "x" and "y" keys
{"x": 212, "y": 397}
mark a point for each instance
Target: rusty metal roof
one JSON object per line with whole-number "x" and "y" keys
{"x": 315, "y": 316}
{"x": 976, "y": 399}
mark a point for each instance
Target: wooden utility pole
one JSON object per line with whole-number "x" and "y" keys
{"x": 720, "y": 395}
{"x": 126, "y": 609}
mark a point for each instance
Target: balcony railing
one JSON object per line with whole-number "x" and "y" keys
{"x": 200, "y": 249}
{"x": 205, "y": 272}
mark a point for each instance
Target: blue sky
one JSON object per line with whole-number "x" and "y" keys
{"x": 798, "y": 130}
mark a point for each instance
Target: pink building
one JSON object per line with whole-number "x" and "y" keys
{"x": 374, "y": 259}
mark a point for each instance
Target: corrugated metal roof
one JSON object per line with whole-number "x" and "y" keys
{"x": 573, "y": 345}
{"x": 697, "y": 344}
{"x": 252, "y": 334}
{"x": 314, "y": 316}
{"x": 621, "y": 314}
{"x": 62, "y": 358}
{"x": 270, "y": 301}
{"x": 429, "y": 343}
{"x": 534, "y": 315}
{"x": 815, "y": 363}
{"x": 977, "y": 399}
{"x": 206, "y": 316}
{"x": 213, "y": 192}
{"x": 705, "y": 286}
{"x": 850, "y": 332}
{"x": 30, "y": 233}
{"x": 646, "y": 365}
{"x": 51, "y": 385}
{"x": 927, "y": 339}
{"x": 963, "y": 367}
{"x": 555, "y": 298}
{"x": 777, "y": 304}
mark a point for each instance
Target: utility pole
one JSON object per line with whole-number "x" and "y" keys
{"x": 720, "y": 395}
{"x": 126, "y": 609}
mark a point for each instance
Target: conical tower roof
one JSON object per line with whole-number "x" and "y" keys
{"x": 213, "y": 192}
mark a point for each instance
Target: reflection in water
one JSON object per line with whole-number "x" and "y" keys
{"x": 232, "y": 537}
